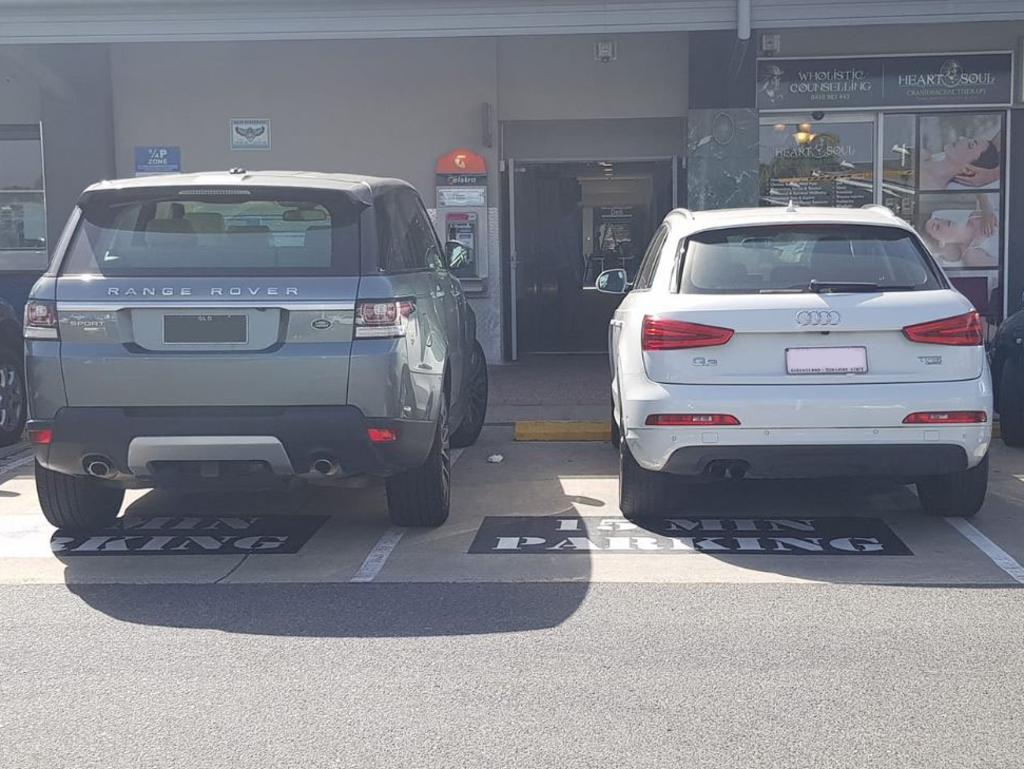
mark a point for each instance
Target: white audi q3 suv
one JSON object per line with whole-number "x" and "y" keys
{"x": 796, "y": 343}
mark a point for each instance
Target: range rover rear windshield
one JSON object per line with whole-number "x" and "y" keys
{"x": 211, "y": 232}
{"x": 796, "y": 258}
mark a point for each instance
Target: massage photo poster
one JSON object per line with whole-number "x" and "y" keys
{"x": 958, "y": 185}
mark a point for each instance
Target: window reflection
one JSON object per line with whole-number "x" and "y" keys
{"x": 22, "y": 202}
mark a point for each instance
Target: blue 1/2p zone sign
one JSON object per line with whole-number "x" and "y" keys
{"x": 157, "y": 160}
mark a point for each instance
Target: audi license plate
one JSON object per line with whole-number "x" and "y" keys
{"x": 827, "y": 360}
{"x": 205, "y": 329}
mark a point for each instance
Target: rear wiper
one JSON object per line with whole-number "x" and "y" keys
{"x": 834, "y": 286}
{"x": 826, "y": 287}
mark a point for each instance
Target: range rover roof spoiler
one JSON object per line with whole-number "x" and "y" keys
{"x": 361, "y": 194}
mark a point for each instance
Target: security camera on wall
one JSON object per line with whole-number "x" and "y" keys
{"x": 771, "y": 44}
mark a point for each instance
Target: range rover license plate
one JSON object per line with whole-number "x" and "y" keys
{"x": 827, "y": 360}
{"x": 205, "y": 329}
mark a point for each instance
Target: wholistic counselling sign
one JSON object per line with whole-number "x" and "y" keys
{"x": 896, "y": 81}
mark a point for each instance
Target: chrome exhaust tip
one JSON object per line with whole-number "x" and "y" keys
{"x": 99, "y": 468}
{"x": 326, "y": 467}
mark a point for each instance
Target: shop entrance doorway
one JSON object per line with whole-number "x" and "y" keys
{"x": 570, "y": 221}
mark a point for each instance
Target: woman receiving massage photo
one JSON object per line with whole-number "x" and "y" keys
{"x": 964, "y": 237}
{"x": 964, "y": 164}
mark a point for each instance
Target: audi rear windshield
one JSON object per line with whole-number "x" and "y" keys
{"x": 210, "y": 232}
{"x": 796, "y": 258}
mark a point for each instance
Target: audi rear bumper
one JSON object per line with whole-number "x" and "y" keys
{"x": 809, "y": 430}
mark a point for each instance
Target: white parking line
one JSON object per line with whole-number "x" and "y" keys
{"x": 25, "y": 536}
{"x": 379, "y": 555}
{"x": 4, "y": 469}
{"x": 382, "y": 550}
{"x": 999, "y": 557}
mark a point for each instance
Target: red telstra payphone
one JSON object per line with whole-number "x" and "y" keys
{"x": 462, "y": 209}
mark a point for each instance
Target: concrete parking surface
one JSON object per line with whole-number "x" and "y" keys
{"x": 546, "y": 513}
{"x": 763, "y": 624}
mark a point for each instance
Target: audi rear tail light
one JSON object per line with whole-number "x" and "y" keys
{"x": 664, "y": 334}
{"x": 959, "y": 331}
{"x": 691, "y": 420}
{"x": 40, "y": 319}
{"x": 946, "y": 418}
{"x": 382, "y": 319}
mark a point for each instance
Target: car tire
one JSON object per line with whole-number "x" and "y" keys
{"x": 1011, "y": 404}
{"x": 476, "y": 400}
{"x": 959, "y": 494}
{"x": 642, "y": 493}
{"x": 76, "y": 503}
{"x": 13, "y": 409}
{"x": 422, "y": 496}
{"x": 616, "y": 430}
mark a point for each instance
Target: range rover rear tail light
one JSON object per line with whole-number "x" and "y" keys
{"x": 40, "y": 319}
{"x": 384, "y": 318}
{"x": 946, "y": 418}
{"x": 381, "y": 435}
{"x": 691, "y": 420}
{"x": 664, "y": 334}
{"x": 959, "y": 331}
{"x": 42, "y": 436}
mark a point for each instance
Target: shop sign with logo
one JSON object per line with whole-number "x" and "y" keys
{"x": 250, "y": 134}
{"x": 461, "y": 179}
{"x": 157, "y": 160}
{"x": 897, "y": 81}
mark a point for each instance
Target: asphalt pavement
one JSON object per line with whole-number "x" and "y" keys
{"x": 520, "y": 675}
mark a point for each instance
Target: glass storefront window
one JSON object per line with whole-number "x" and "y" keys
{"x": 22, "y": 200}
{"x": 816, "y": 163}
{"x": 899, "y": 165}
{"x": 943, "y": 173}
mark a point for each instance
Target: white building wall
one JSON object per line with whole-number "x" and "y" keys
{"x": 545, "y": 78}
{"x": 383, "y": 107}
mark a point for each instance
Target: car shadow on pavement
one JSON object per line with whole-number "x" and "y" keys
{"x": 342, "y": 610}
{"x": 308, "y": 594}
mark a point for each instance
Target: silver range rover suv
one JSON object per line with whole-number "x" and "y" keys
{"x": 246, "y": 329}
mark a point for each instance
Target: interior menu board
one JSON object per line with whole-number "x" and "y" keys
{"x": 613, "y": 228}
{"x": 817, "y": 164}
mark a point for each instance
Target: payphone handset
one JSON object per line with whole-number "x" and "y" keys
{"x": 464, "y": 227}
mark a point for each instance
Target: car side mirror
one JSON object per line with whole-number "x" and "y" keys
{"x": 613, "y": 282}
{"x": 456, "y": 255}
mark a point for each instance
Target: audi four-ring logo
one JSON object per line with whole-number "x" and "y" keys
{"x": 818, "y": 318}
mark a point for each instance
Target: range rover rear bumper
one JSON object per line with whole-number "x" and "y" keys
{"x": 283, "y": 441}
